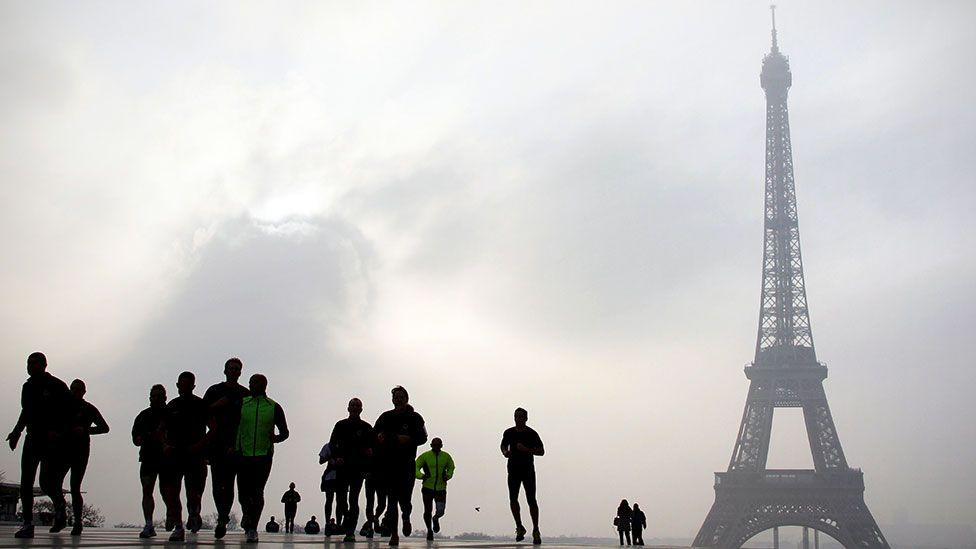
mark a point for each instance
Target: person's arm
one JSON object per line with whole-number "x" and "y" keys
{"x": 420, "y": 472}
{"x": 281, "y": 424}
{"x": 284, "y": 498}
{"x": 537, "y": 449}
{"x": 419, "y": 434}
{"x": 506, "y": 446}
{"x": 14, "y": 435}
{"x": 138, "y": 434}
{"x": 449, "y": 468}
{"x": 100, "y": 426}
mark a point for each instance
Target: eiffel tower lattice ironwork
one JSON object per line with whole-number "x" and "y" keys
{"x": 749, "y": 498}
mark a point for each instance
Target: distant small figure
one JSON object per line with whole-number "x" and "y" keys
{"x": 329, "y": 483}
{"x": 622, "y": 521}
{"x": 520, "y": 444}
{"x": 312, "y": 527}
{"x": 44, "y": 402}
{"x": 331, "y": 527}
{"x": 86, "y": 420}
{"x": 272, "y": 527}
{"x": 434, "y": 467}
{"x": 146, "y": 434}
{"x": 638, "y": 522}
{"x": 290, "y": 499}
{"x": 256, "y": 438}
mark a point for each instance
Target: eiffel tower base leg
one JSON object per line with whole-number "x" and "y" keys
{"x": 749, "y": 503}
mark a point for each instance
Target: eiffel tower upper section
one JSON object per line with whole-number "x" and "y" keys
{"x": 785, "y": 339}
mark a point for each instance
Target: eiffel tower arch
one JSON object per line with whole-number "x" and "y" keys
{"x": 749, "y": 498}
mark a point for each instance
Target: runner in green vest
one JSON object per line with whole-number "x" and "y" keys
{"x": 255, "y": 447}
{"x": 435, "y": 467}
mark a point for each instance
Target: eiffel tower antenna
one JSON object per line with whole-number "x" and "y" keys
{"x": 749, "y": 498}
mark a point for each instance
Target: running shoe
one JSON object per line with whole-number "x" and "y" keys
{"x": 437, "y": 523}
{"x": 25, "y": 532}
{"x": 407, "y": 529}
{"x": 350, "y": 538}
{"x": 76, "y": 529}
{"x": 251, "y": 536}
{"x": 430, "y": 535}
{"x": 520, "y": 532}
{"x": 220, "y": 530}
{"x": 148, "y": 532}
{"x": 60, "y": 521}
{"x": 536, "y": 537}
{"x": 179, "y": 534}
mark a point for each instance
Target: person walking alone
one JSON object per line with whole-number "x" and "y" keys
{"x": 434, "y": 467}
{"x": 256, "y": 437}
{"x": 290, "y": 498}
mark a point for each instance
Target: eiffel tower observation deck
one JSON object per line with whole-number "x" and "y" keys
{"x": 785, "y": 373}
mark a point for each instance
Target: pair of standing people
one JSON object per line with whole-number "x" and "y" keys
{"x": 59, "y": 424}
{"x": 630, "y": 520}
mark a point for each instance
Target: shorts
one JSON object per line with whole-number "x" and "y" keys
{"x": 149, "y": 469}
{"x": 521, "y": 476}
{"x": 329, "y": 485}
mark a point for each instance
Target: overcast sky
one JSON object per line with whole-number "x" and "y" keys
{"x": 553, "y": 205}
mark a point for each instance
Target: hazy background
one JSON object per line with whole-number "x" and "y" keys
{"x": 553, "y": 205}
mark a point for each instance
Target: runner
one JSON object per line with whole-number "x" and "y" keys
{"x": 224, "y": 401}
{"x": 185, "y": 440}
{"x": 520, "y": 444}
{"x": 398, "y": 434}
{"x": 86, "y": 420}
{"x": 256, "y": 437}
{"x": 435, "y": 467}
{"x": 44, "y": 403}
{"x": 146, "y": 434}
{"x": 290, "y": 499}
{"x": 351, "y": 441}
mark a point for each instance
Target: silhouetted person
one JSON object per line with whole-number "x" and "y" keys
{"x": 312, "y": 527}
{"x": 398, "y": 434}
{"x": 44, "y": 401}
{"x": 290, "y": 498}
{"x": 86, "y": 420}
{"x": 272, "y": 527}
{"x": 224, "y": 400}
{"x": 352, "y": 444}
{"x": 184, "y": 445}
{"x": 622, "y": 521}
{"x": 434, "y": 467}
{"x": 256, "y": 437}
{"x": 638, "y": 521}
{"x": 148, "y": 436}
{"x": 329, "y": 484}
{"x": 520, "y": 444}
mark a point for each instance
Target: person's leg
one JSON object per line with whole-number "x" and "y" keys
{"x": 514, "y": 485}
{"x": 78, "y": 468}
{"x": 196, "y": 484}
{"x": 440, "y": 506}
{"x": 355, "y": 486}
{"x": 405, "y": 497}
{"x": 529, "y": 483}
{"x": 245, "y": 491}
{"x": 620, "y": 533}
{"x": 223, "y": 472}
{"x": 148, "y": 482}
{"x": 54, "y": 467}
{"x": 428, "y": 496}
{"x": 627, "y": 533}
{"x": 30, "y": 460}
{"x": 262, "y": 470}
{"x": 329, "y": 497}
{"x": 382, "y": 497}
{"x": 342, "y": 505}
{"x": 171, "y": 485}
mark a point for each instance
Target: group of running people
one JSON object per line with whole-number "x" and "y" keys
{"x": 234, "y": 429}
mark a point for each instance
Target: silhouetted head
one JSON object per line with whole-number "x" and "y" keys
{"x": 400, "y": 397}
{"x": 258, "y": 384}
{"x": 36, "y": 364}
{"x": 355, "y": 408}
{"x": 436, "y": 445}
{"x": 291, "y": 486}
{"x": 623, "y": 503}
{"x": 232, "y": 369}
{"x": 78, "y": 389}
{"x": 272, "y": 518}
{"x": 636, "y": 507}
{"x": 313, "y": 518}
{"x": 521, "y": 417}
{"x": 157, "y": 396}
{"x": 186, "y": 383}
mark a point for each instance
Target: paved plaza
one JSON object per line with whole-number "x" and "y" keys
{"x": 114, "y": 537}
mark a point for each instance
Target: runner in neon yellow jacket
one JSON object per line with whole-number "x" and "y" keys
{"x": 435, "y": 467}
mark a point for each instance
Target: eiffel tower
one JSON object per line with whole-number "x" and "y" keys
{"x": 749, "y": 498}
